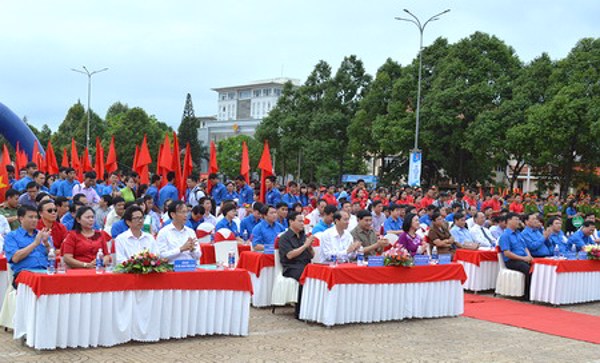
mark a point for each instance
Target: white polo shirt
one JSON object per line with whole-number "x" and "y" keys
{"x": 127, "y": 245}
{"x": 170, "y": 240}
{"x": 332, "y": 243}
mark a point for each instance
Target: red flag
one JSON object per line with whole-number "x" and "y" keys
{"x": 5, "y": 155}
{"x": 135, "y": 157}
{"x": 86, "y": 164}
{"x": 213, "y": 167}
{"x": 188, "y": 165}
{"x": 37, "y": 158}
{"x": 176, "y": 165}
{"x": 51, "y": 163}
{"x": 481, "y": 193}
{"x": 65, "y": 159}
{"x": 166, "y": 156}
{"x": 4, "y": 182}
{"x": 75, "y": 164}
{"x": 266, "y": 167}
{"x": 160, "y": 150}
{"x": 99, "y": 167}
{"x": 142, "y": 162}
{"x": 111, "y": 158}
{"x": 245, "y": 167}
{"x": 20, "y": 159}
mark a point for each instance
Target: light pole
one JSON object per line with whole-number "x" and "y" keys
{"x": 89, "y": 75}
{"x": 421, "y": 27}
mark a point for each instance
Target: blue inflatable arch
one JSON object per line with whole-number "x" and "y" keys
{"x": 14, "y": 129}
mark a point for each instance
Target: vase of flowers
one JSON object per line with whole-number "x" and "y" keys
{"x": 397, "y": 256}
{"x": 144, "y": 262}
{"x": 593, "y": 252}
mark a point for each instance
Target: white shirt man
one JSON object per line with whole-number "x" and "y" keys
{"x": 480, "y": 234}
{"x": 175, "y": 240}
{"x": 4, "y": 230}
{"x": 134, "y": 240}
{"x": 337, "y": 240}
{"x": 315, "y": 216}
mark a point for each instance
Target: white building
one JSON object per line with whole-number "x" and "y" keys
{"x": 241, "y": 108}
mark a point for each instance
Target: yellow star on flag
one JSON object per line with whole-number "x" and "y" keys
{"x": 2, "y": 185}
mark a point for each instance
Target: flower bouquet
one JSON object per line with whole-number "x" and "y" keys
{"x": 144, "y": 262}
{"x": 397, "y": 256}
{"x": 593, "y": 252}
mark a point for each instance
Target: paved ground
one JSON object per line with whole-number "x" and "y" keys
{"x": 279, "y": 337}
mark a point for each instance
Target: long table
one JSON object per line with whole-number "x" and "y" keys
{"x": 208, "y": 253}
{"x": 481, "y": 267}
{"x": 261, "y": 268}
{"x": 85, "y": 309}
{"x": 349, "y": 293}
{"x": 561, "y": 282}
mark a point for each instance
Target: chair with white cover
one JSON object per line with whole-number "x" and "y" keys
{"x": 222, "y": 250}
{"x": 317, "y": 247}
{"x": 392, "y": 238}
{"x": 509, "y": 282}
{"x": 224, "y": 235}
{"x": 285, "y": 289}
{"x": 204, "y": 231}
{"x": 7, "y": 312}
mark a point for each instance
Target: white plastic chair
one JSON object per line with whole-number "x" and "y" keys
{"x": 392, "y": 238}
{"x": 204, "y": 231}
{"x": 7, "y": 312}
{"x": 285, "y": 289}
{"x": 222, "y": 251}
{"x": 509, "y": 282}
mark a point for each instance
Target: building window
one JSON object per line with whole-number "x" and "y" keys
{"x": 266, "y": 92}
{"x": 231, "y": 95}
{"x": 223, "y": 96}
{"x": 244, "y": 94}
{"x": 277, "y": 92}
{"x": 256, "y": 93}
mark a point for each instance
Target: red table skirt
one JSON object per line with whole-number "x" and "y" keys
{"x": 353, "y": 274}
{"x": 87, "y": 281}
{"x": 255, "y": 261}
{"x": 208, "y": 253}
{"x": 2, "y": 263}
{"x": 569, "y": 265}
{"x": 475, "y": 257}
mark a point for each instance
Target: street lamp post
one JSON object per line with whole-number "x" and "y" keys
{"x": 89, "y": 75}
{"x": 421, "y": 27}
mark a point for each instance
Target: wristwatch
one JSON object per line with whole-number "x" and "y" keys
{"x": 85, "y": 265}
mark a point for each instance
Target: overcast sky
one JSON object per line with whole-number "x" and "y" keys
{"x": 158, "y": 51}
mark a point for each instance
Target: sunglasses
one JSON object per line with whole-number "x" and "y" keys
{"x": 51, "y": 210}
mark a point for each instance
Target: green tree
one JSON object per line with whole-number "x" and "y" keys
{"x": 75, "y": 126}
{"x": 188, "y": 132}
{"x": 229, "y": 154}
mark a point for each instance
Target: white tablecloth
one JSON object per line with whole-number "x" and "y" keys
{"x": 110, "y": 318}
{"x": 367, "y": 303}
{"x": 482, "y": 277}
{"x": 563, "y": 288}
{"x": 3, "y": 285}
{"x": 262, "y": 286}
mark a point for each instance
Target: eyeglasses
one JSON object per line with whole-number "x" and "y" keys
{"x": 137, "y": 218}
{"x": 51, "y": 210}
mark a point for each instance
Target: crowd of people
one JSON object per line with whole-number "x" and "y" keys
{"x": 119, "y": 215}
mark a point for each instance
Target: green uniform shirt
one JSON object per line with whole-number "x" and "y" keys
{"x": 11, "y": 212}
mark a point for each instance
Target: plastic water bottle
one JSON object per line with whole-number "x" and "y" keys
{"x": 333, "y": 260}
{"x": 360, "y": 257}
{"x": 99, "y": 262}
{"x": 573, "y": 248}
{"x": 556, "y": 252}
{"x": 434, "y": 253}
{"x": 51, "y": 261}
{"x": 231, "y": 260}
{"x": 61, "y": 268}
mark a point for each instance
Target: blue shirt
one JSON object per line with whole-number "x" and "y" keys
{"x": 66, "y": 188}
{"x": 512, "y": 241}
{"x": 217, "y": 192}
{"x": 68, "y": 220}
{"x": 232, "y": 226}
{"x": 461, "y": 235}
{"x": 192, "y": 223}
{"x": 55, "y": 187}
{"x": 230, "y": 196}
{"x": 536, "y": 243}
{"x": 118, "y": 227}
{"x": 273, "y": 196}
{"x": 321, "y": 227}
{"x": 265, "y": 233}
{"x": 167, "y": 192}
{"x": 153, "y": 192}
{"x": 283, "y": 222}
{"x": 559, "y": 239}
{"x": 303, "y": 199}
{"x": 450, "y": 217}
{"x": 290, "y": 199}
{"x": 579, "y": 240}
{"x": 21, "y": 184}
{"x": 426, "y": 219}
{"x": 392, "y": 225}
{"x": 248, "y": 224}
{"x": 18, "y": 239}
{"x": 246, "y": 196}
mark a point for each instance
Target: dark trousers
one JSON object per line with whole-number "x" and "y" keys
{"x": 295, "y": 273}
{"x": 14, "y": 281}
{"x": 525, "y": 268}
